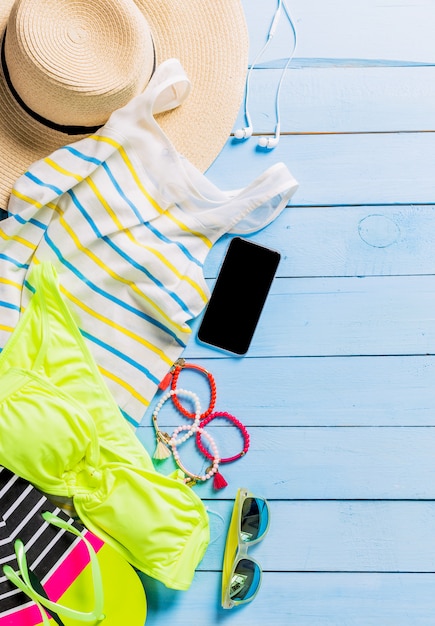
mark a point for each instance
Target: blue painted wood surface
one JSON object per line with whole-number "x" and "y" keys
{"x": 338, "y": 388}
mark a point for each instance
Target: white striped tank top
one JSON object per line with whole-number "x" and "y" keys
{"x": 128, "y": 223}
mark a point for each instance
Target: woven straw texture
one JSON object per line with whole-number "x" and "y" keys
{"x": 75, "y": 61}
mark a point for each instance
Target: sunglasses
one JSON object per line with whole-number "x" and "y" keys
{"x": 241, "y": 575}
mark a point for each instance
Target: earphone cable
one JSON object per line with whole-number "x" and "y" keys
{"x": 286, "y": 66}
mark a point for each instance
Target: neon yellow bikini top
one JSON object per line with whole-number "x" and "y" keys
{"x": 62, "y": 431}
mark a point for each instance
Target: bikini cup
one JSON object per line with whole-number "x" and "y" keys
{"x": 32, "y": 408}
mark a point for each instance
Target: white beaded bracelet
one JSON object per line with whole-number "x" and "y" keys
{"x": 164, "y": 439}
{"x": 214, "y": 452}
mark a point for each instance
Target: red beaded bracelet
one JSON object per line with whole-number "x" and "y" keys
{"x": 174, "y": 374}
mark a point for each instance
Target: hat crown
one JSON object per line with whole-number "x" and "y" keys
{"x": 74, "y": 62}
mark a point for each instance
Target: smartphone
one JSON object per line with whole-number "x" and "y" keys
{"x": 238, "y": 296}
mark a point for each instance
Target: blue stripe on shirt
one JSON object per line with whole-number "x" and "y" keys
{"x": 121, "y": 355}
{"x": 109, "y": 296}
{"x": 126, "y": 256}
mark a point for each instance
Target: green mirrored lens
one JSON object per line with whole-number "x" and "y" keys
{"x": 245, "y": 580}
{"x": 254, "y": 519}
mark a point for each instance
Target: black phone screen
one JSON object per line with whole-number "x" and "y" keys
{"x": 238, "y": 296}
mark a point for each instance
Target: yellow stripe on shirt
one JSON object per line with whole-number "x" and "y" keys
{"x": 140, "y": 186}
{"x": 124, "y": 384}
{"x": 113, "y": 324}
{"x": 12, "y": 283}
{"x": 62, "y": 170}
{"x": 133, "y": 239}
{"x": 18, "y": 239}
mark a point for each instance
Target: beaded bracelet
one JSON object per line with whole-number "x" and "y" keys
{"x": 164, "y": 439}
{"x": 236, "y": 422}
{"x": 212, "y": 470}
{"x": 220, "y": 481}
{"x": 173, "y": 376}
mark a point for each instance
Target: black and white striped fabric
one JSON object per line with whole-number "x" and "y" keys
{"x": 21, "y": 507}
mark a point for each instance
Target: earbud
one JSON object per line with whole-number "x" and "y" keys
{"x": 243, "y": 133}
{"x": 268, "y": 142}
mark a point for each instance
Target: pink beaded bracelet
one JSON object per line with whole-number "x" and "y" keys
{"x": 220, "y": 481}
{"x": 236, "y": 423}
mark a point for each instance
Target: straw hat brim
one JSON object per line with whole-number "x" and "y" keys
{"x": 211, "y": 41}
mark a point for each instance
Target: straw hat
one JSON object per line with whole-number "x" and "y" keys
{"x": 73, "y": 62}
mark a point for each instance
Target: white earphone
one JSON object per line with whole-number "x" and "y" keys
{"x": 246, "y": 132}
{"x": 269, "y": 142}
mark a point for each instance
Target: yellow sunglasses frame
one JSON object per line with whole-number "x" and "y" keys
{"x": 236, "y": 549}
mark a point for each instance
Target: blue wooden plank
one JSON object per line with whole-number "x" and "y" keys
{"x": 302, "y": 599}
{"x": 342, "y": 316}
{"x": 333, "y": 98}
{"x": 339, "y": 29}
{"x": 338, "y": 536}
{"x": 318, "y": 391}
{"x": 316, "y": 463}
{"x": 347, "y": 241}
{"x": 340, "y": 169}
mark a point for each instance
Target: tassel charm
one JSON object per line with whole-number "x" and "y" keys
{"x": 219, "y": 481}
{"x": 164, "y": 383}
{"x": 162, "y": 451}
